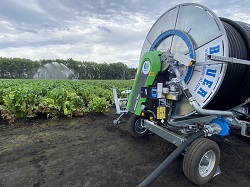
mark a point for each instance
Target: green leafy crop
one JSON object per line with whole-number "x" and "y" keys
{"x": 27, "y": 98}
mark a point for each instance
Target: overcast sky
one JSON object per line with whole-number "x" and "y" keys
{"x": 90, "y": 30}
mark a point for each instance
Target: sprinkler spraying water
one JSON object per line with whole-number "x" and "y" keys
{"x": 54, "y": 70}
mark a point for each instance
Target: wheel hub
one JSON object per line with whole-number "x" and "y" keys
{"x": 139, "y": 127}
{"x": 207, "y": 163}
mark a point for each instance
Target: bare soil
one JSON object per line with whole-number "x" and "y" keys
{"x": 91, "y": 151}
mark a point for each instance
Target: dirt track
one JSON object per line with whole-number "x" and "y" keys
{"x": 91, "y": 151}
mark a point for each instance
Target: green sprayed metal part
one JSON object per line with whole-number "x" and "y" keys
{"x": 148, "y": 69}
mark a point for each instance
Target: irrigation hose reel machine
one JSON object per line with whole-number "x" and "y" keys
{"x": 193, "y": 78}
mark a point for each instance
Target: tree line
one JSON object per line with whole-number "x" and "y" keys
{"x": 20, "y": 68}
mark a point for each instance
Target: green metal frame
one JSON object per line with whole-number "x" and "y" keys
{"x": 155, "y": 65}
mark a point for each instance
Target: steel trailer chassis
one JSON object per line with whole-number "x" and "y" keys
{"x": 209, "y": 121}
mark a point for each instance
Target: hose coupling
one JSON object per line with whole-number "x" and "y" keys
{"x": 218, "y": 126}
{"x": 212, "y": 129}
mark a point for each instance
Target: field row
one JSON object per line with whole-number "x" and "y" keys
{"x": 27, "y": 98}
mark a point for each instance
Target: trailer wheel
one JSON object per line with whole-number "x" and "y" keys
{"x": 201, "y": 161}
{"x": 135, "y": 126}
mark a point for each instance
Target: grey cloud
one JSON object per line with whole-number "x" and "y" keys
{"x": 26, "y": 30}
{"x": 104, "y": 29}
{"x": 17, "y": 44}
{"x": 116, "y": 24}
{"x": 58, "y": 11}
{"x": 20, "y": 14}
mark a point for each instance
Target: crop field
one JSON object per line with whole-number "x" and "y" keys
{"x": 82, "y": 147}
{"x": 28, "y": 98}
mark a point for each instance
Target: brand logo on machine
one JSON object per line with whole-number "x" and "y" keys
{"x": 211, "y": 51}
{"x": 146, "y": 67}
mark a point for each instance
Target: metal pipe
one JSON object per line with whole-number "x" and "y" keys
{"x": 206, "y": 111}
{"x": 193, "y": 102}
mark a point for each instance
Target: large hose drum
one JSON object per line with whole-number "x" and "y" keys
{"x": 196, "y": 31}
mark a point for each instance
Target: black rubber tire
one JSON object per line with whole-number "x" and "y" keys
{"x": 132, "y": 126}
{"x": 192, "y": 160}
